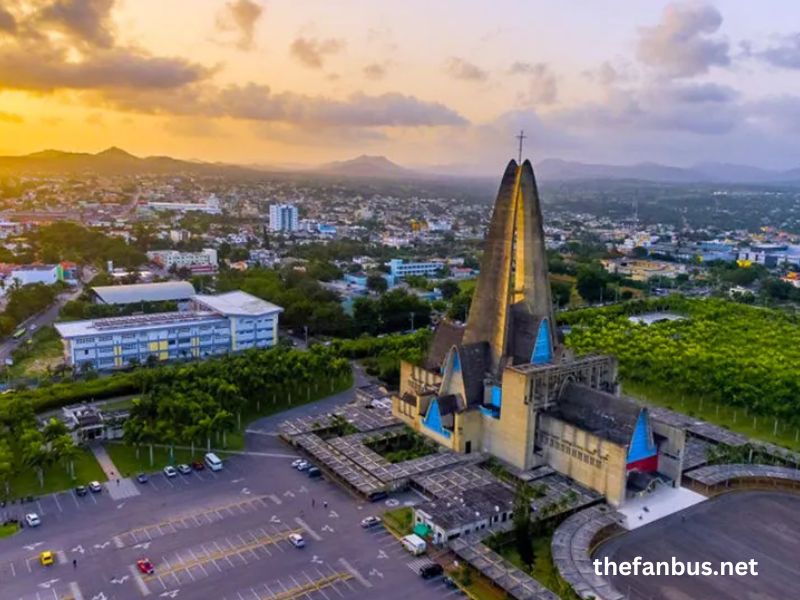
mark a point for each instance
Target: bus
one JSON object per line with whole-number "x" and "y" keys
{"x": 19, "y": 333}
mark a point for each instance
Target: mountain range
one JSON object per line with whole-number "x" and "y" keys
{"x": 115, "y": 161}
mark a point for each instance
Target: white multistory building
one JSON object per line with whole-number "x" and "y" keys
{"x": 207, "y": 257}
{"x": 283, "y": 217}
{"x": 212, "y": 326}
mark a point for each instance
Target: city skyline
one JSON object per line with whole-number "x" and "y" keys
{"x": 273, "y": 83}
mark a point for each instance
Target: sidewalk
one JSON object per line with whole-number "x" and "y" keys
{"x": 117, "y": 487}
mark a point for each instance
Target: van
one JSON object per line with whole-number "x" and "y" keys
{"x": 213, "y": 462}
{"x": 414, "y": 544}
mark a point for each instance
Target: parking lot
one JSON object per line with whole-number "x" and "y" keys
{"x": 213, "y": 535}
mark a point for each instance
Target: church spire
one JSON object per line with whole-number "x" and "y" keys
{"x": 512, "y": 308}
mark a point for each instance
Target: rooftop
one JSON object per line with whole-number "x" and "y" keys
{"x": 144, "y": 292}
{"x": 70, "y": 329}
{"x": 237, "y": 303}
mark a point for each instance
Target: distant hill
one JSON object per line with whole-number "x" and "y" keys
{"x": 556, "y": 169}
{"x": 113, "y": 161}
{"x": 365, "y": 166}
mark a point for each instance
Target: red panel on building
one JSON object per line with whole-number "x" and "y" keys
{"x": 645, "y": 465}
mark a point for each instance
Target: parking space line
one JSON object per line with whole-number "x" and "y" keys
{"x": 167, "y": 479}
{"x": 137, "y": 579}
{"x": 311, "y": 581}
{"x": 75, "y": 499}
{"x": 75, "y": 590}
{"x": 58, "y": 504}
{"x": 352, "y": 570}
{"x": 308, "y": 529}
{"x": 41, "y": 510}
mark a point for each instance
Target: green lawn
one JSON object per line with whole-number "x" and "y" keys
{"x": 128, "y": 464}
{"x": 544, "y": 570}
{"x": 8, "y": 529}
{"x": 735, "y": 419}
{"x": 44, "y": 351}
{"x": 56, "y": 478}
{"x": 399, "y": 520}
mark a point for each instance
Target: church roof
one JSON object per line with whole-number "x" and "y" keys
{"x": 446, "y": 335}
{"x": 448, "y": 404}
{"x": 474, "y": 364}
{"x": 605, "y": 415}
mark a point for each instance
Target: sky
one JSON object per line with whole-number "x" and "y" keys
{"x": 447, "y": 83}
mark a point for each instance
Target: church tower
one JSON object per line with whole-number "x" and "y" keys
{"x": 512, "y": 308}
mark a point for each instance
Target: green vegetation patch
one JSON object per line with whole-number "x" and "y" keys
{"x": 725, "y": 362}
{"x": 400, "y": 448}
{"x": 57, "y": 477}
{"x": 400, "y": 520}
{"x": 42, "y": 355}
{"x": 8, "y": 529}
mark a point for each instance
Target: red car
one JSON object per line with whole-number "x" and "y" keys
{"x": 198, "y": 465}
{"x": 145, "y": 566}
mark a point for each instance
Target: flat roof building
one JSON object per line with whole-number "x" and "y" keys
{"x": 143, "y": 292}
{"x": 213, "y": 325}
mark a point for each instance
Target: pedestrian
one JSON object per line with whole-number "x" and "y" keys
{"x": 325, "y": 504}
{"x": 117, "y": 481}
{"x": 74, "y": 563}
{"x": 312, "y": 503}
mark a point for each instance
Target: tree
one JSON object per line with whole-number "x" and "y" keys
{"x": 449, "y": 289}
{"x": 377, "y": 283}
{"x": 522, "y": 524}
{"x": 561, "y": 291}
{"x": 591, "y": 282}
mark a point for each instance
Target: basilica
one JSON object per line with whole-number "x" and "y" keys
{"x": 504, "y": 383}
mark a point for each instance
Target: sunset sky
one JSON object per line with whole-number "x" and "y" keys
{"x": 422, "y": 82}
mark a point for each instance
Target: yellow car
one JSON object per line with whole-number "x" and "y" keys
{"x": 47, "y": 558}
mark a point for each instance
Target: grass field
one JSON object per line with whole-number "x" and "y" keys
{"x": 128, "y": 464}
{"x": 8, "y": 529}
{"x": 56, "y": 477}
{"x": 38, "y": 357}
{"x": 399, "y": 520}
{"x": 734, "y": 419}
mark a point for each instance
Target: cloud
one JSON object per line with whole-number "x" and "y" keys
{"x": 46, "y": 70}
{"x": 258, "y": 103}
{"x": 7, "y": 21}
{"x": 778, "y": 113}
{"x": 7, "y": 117}
{"x": 458, "y": 68}
{"x": 542, "y": 87}
{"x": 706, "y": 109}
{"x": 240, "y": 16}
{"x": 86, "y": 20}
{"x": 312, "y": 52}
{"x": 374, "y": 71}
{"x": 681, "y": 44}
{"x": 785, "y": 54}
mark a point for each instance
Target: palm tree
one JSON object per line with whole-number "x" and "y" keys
{"x": 64, "y": 449}
{"x": 34, "y": 453}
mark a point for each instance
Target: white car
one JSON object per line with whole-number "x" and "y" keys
{"x": 33, "y": 520}
{"x": 370, "y": 521}
{"x": 185, "y": 469}
{"x": 303, "y": 465}
{"x": 296, "y": 462}
{"x": 297, "y": 540}
{"x": 170, "y": 471}
{"x": 95, "y": 487}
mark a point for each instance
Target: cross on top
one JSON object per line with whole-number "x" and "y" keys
{"x": 521, "y": 137}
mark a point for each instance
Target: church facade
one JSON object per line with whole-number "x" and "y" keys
{"x": 505, "y": 384}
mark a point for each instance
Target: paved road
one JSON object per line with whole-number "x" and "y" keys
{"x": 215, "y": 536}
{"x": 36, "y": 322}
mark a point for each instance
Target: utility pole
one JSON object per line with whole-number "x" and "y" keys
{"x": 412, "y": 321}
{"x": 305, "y": 328}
